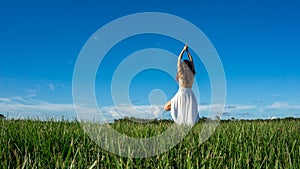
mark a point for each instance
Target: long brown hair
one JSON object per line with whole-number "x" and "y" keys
{"x": 190, "y": 65}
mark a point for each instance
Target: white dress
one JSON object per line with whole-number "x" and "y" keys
{"x": 184, "y": 106}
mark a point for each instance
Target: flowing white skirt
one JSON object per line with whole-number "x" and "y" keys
{"x": 184, "y": 107}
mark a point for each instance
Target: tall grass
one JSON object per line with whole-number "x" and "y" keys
{"x": 234, "y": 144}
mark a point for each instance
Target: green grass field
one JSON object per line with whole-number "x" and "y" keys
{"x": 234, "y": 144}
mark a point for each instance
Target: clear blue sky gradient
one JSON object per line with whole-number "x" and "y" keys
{"x": 257, "y": 41}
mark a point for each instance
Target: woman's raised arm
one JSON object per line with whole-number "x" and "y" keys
{"x": 191, "y": 58}
{"x": 181, "y": 54}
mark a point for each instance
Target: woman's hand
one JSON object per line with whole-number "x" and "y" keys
{"x": 185, "y": 48}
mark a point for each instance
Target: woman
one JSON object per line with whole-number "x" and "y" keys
{"x": 184, "y": 106}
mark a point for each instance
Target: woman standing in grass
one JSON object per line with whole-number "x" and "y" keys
{"x": 184, "y": 106}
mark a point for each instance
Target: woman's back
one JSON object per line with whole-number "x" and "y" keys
{"x": 185, "y": 76}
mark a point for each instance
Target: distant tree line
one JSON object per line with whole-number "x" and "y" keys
{"x": 201, "y": 119}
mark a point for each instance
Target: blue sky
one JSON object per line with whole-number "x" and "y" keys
{"x": 257, "y": 42}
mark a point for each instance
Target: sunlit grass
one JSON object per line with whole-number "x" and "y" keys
{"x": 234, "y": 144}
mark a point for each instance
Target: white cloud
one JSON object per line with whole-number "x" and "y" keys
{"x": 272, "y": 118}
{"x": 276, "y": 95}
{"x": 281, "y": 105}
{"x": 4, "y": 100}
{"x": 243, "y": 107}
{"x": 261, "y": 110}
{"x": 28, "y": 106}
{"x": 227, "y": 108}
{"x": 141, "y": 111}
{"x": 32, "y": 92}
{"x": 280, "y": 110}
{"x": 25, "y": 106}
{"x": 52, "y": 86}
{"x": 258, "y": 101}
{"x": 21, "y": 104}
